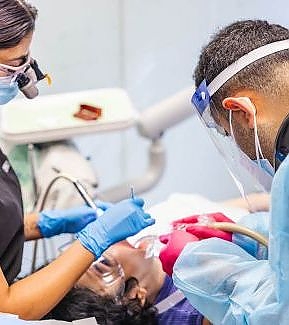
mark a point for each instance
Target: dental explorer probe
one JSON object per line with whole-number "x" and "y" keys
{"x": 132, "y": 193}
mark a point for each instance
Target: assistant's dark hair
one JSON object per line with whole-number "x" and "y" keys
{"x": 17, "y": 19}
{"x": 82, "y": 303}
{"x": 231, "y": 43}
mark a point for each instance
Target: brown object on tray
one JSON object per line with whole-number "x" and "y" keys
{"x": 88, "y": 112}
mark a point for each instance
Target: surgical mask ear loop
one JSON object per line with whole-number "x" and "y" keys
{"x": 231, "y": 126}
{"x": 237, "y": 182}
{"x": 258, "y": 149}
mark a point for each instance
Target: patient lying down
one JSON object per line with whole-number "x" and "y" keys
{"x": 131, "y": 300}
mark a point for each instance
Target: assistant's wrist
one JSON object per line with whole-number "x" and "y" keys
{"x": 49, "y": 226}
{"x": 94, "y": 238}
{"x": 92, "y": 248}
{"x": 31, "y": 228}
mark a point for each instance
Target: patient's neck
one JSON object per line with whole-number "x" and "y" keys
{"x": 148, "y": 272}
{"x": 153, "y": 279}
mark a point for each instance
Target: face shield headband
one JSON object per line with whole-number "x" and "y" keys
{"x": 240, "y": 166}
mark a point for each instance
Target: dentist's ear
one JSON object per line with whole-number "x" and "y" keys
{"x": 243, "y": 107}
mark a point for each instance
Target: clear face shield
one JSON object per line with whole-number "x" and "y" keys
{"x": 248, "y": 176}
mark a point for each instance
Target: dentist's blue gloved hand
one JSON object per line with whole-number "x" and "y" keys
{"x": 120, "y": 221}
{"x": 55, "y": 222}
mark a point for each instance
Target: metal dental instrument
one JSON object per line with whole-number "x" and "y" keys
{"x": 80, "y": 188}
{"x": 42, "y": 200}
{"x": 132, "y": 193}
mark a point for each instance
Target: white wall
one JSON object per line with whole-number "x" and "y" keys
{"x": 148, "y": 47}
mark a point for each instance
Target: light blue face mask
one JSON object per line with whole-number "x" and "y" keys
{"x": 266, "y": 166}
{"x": 262, "y": 163}
{"x": 8, "y": 89}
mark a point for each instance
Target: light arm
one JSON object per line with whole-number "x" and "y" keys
{"x": 31, "y": 229}
{"x": 32, "y": 297}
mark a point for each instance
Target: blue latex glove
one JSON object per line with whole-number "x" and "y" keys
{"x": 231, "y": 287}
{"x": 122, "y": 220}
{"x": 259, "y": 222}
{"x": 103, "y": 205}
{"x": 55, "y": 222}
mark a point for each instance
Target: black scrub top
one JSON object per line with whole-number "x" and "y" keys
{"x": 11, "y": 221}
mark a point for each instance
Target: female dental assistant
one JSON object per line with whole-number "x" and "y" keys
{"x": 34, "y": 296}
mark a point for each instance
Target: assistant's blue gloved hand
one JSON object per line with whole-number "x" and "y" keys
{"x": 122, "y": 220}
{"x": 55, "y": 222}
{"x": 259, "y": 222}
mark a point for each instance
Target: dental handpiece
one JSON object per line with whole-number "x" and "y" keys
{"x": 86, "y": 197}
{"x": 79, "y": 187}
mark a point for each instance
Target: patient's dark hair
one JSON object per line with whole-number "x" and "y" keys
{"x": 82, "y": 303}
{"x": 17, "y": 19}
{"x": 231, "y": 43}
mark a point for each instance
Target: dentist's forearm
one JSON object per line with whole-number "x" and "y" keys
{"x": 258, "y": 201}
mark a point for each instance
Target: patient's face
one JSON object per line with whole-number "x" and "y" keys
{"x": 129, "y": 257}
{"x": 105, "y": 277}
{"x": 112, "y": 276}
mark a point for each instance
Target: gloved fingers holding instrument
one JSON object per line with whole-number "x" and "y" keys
{"x": 122, "y": 220}
{"x": 55, "y": 222}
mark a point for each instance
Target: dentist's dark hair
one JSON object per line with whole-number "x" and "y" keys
{"x": 231, "y": 43}
{"x": 17, "y": 20}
